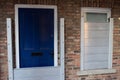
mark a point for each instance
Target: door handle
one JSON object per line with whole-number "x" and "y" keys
{"x": 52, "y": 53}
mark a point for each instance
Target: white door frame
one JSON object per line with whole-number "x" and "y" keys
{"x": 17, "y": 6}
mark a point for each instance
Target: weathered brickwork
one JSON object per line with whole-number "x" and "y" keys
{"x": 70, "y": 10}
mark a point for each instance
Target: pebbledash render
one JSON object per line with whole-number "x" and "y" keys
{"x": 84, "y": 39}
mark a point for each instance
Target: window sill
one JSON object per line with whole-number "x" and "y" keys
{"x": 93, "y": 72}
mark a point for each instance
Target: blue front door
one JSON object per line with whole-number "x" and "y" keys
{"x": 36, "y": 37}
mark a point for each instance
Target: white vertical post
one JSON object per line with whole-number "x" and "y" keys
{"x": 110, "y": 43}
{"x": 62, "y": 61}
{"x": 9, "y": 48}
{"x": 82, "y": 43}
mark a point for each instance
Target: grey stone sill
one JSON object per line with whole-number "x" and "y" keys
{"x": 93, "y": 72}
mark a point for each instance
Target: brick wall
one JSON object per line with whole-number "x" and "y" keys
{"x": 70, "y": 10}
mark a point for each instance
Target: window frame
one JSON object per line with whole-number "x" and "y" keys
{"x": 83, "y": 19}
{"x": 95, "y": 10}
